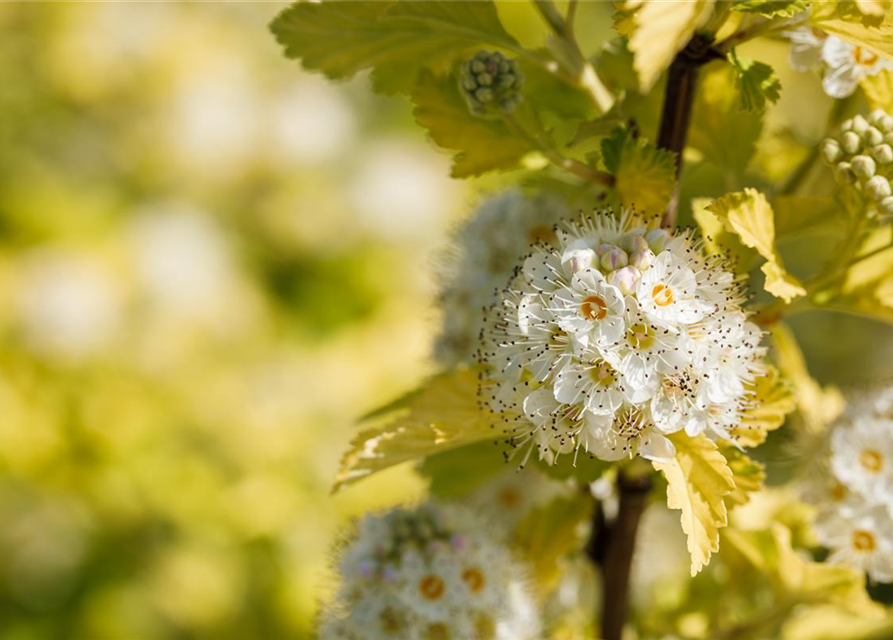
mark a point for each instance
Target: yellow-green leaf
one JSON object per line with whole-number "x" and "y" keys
{"x": 698, "y": 480}
{"x": 748, "y": 475}
{"x": 748, "y": 214}
{"x": 771, "y": 402}
{"x": 770, "y": 8}
{"x": 870, "y": 29}
{"x": 879, "y": 90}
{"x": 756, "y": 82}
{"x": 659, "y": 31}
{"x": 720, "y": 241}
{"x": 817, "y": 406}
{"x": 644, "y": 175}
{"x": 796, "y": 214}
{"x": 443, "y": 415}
{"x": 548, "y": 534}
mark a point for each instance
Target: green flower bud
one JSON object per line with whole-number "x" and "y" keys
{"x": 872, "y": 136}
{"x": 642, "y": 260}
{"x": 614, "y": 259}
{"x": 582, "y": 259}
{"x": 863, "y": 167}
{"x": 885, "y": 206}
{"x": 878, "y": 188}
{"x": 860, "y": 124}
{"x": 843, "y": 173}
{"x": 851, "y": 142}
{"x": 624, "y": 279}
{"x": 632, "y": 242}
{"x": 886, "y": 124}
{"x": 883, "y": 154}
{"x": 847, "y": 125}
{"x": 876, "y": 116}
{"x": 490, "y": 83}
{"x": 604, "y": 248}
{"x": 831, "y": 151}
{"x": 657, "y": 239}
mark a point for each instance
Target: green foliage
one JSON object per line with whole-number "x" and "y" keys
{"x": 455, "y": 473}
{"x": 756, "y": 82}
{"x": 770, "y": 8}
{"x": 644, "y": 175}
{"x": 866, "y": 24}
{"x": 396, "y": 39}
{"x": 480, "y": 145}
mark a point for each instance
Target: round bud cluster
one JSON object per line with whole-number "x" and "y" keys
{"x": 491, "y": 83}
{"x": 433, "y": 572}
{"x": 855, "y": 519}
{"x": 613, "y": 336}
{"x": 863, "y": 156}
{"x": 484, "y": 251}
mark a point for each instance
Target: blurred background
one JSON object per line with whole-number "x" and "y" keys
{"x": 210, "y": 264}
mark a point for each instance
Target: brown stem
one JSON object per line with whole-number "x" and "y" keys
{"x": 614, "y": 547}
{"x": 676, "y": 113}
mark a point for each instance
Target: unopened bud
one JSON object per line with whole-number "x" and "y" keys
{"x": 831, "y": 151}
{"x": 657, "y": 239}
{"x": 632, "y": 242}
{"x": 846, "y": 125}
{"x": 851, "y": 142}
{"x": 625, "y": 279}
{"x": 843, "y": 173}
{"x": 872, "y": 137}
{"x": 860, "y": 124}
{"x": 876, "y": 116}
{"x": 603, "y": 248}
{"x": 863, "y": 167}
{"x": 883, "y": 154}
{"x": 878, "y": 188}
{"x": 615, "y": 259}
{"x": 490, "y": 83}
{"x": 581, "y": 259}
{"x": 885, "y": 124}
{"x": 885, "y": 206}
{"x": 642, "y": 260}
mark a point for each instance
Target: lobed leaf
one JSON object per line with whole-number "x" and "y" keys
{"x": 698, "y": 481}
{"x": 864, "y": 24}
{"x": 442, "y": 415}
{"x": 396, "y": 39}
{"x": 772, "y": 401}
{"x": 457, "y": 472}
{"x": 756, "y": 82}
{"x": 770, "y": 8}
{"x": 878, "y": 90}
{"x": 644, "y": 175}
{"x": 748, "y": 214}
{"x": 748, "y": 474}
{"x": 480, "y": 145}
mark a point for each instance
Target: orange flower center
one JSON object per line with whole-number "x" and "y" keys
{"x": 662, "y": 295}
{"x": 438, "y": 631}
{"x": 838, "y": 491}
{"x": 431, "y": 587}
{"x": 864, "y": 57}
{"x": 871, "y": 460}
{"x": 474, "y": 579}
{"x": 594, "y": 308}
{"x": 863, "y": 540}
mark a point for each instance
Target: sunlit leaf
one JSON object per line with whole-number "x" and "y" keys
{"x": 480, "y": 145}
{"x": 395, "y": 39}
{"x": 772, "y": 400}
{"x": 459, "y": 471}
{"x": 698, "y": 480}
{"x": 770, "y": 8}
{"x": 872, "y": 30}
{"x": 878, "y": 90}
{"x": 756, "y": 82}
{"x": 659, "y": 31}
{"x": 749, "y": 215}
{"x": 548, "y": 534}
{"x": 645, "y": 175}
{"x": 748, "y": 475}
{"x": 443, "y": 415}
{"x": 720, "y": 241}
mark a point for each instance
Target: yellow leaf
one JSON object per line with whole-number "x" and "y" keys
{"x": 818, "y": 406}
{"x": 698, "y": 479}
{"x": 441, "y": 416}
{"x": 771, "y": 402}
{"x": 748, "y": 214}
{"x": 872, "y": 29}
{"x": 661, "y": 30}
{"x": 879, "y": 90}
{"x": 748, "y": 475}
{"x": 720, "y": 241}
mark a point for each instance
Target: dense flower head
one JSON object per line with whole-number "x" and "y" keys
{"x": 430, "y": 573}
{"x": 484, "y": 251}
{"x": 843, "y": 64}
{"x": 855, "y": 519}
{"x": 862, "y": 156}
{"x": 491, "y": 84}
{"x": 613, "y": 336}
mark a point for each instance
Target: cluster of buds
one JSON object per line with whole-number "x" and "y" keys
{"x": 624, "y": 262}
{"x": 491, "y": 84}
{"x": 863, "y": 157}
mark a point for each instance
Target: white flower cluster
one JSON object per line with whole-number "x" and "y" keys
{"x": 484, "y": 252}
{"x": 843, "y": 64}
{"x": 612, "y": 337}
{"x": 855, "y": 519}
{"x": 431, "y": 573}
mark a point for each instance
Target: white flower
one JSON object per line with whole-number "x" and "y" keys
{"x": 806, "y": 47}
{"x": 846, "y": 64}
{"x": 433, "y": 572}
{"x": 573, "y": 361}
{"x": 862, "y": 457}
{"x": 486, "y": 249}
{"x": 862, "y": 538}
